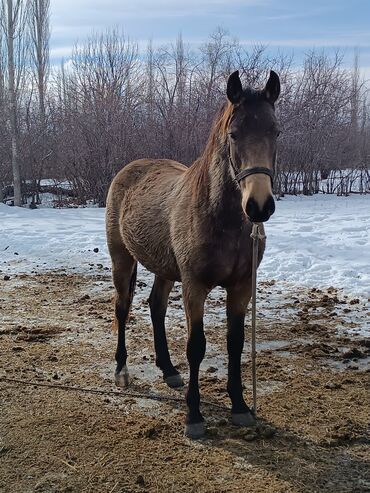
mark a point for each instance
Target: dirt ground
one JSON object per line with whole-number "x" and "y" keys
{"x": 312, "y": 389}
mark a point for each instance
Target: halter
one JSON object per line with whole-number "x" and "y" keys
{"x": 241, "y": 174}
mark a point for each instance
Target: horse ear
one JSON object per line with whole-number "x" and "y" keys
{"x": 234, "y": 89}
{"x": 272, "y": 88}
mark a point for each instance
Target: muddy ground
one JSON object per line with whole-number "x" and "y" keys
{"x": 312, "y": 388}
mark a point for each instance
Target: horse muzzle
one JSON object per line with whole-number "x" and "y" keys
{"x": 257, "y": 214}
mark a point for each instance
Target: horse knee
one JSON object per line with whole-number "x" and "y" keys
{"x": 196, "y": 346}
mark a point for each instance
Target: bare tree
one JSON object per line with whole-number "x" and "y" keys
{"x": 13, "y": 23}
{"x": 40, "y": 35}
{"x": 38, "y": 145}
{"x": 4, "y": 130}
{"x": 100, "y": 96}
{"x": 111, "y": 104}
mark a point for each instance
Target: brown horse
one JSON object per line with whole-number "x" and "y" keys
{"x": 193, "y": 225}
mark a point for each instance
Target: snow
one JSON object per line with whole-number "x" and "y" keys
{"x": 317, "y": 241}
{"x": 320, "y": 241}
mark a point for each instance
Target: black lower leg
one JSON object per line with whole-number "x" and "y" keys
{"x": 235, "y": 342}
{"x": 163, "y": 359}
{"x": 195, "y": 351}
{"x": 121, "y": 313}
{"x": 158, "y": 306}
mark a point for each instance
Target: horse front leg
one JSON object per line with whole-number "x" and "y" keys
{"x": 237, "y": 301}
{"x": 194, "y": 298}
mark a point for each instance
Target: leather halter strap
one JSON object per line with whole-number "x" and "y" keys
{"x": 241, "y": 174}
{"x": 253, "y": 171}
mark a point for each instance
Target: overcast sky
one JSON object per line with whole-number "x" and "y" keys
{"x": 289, "y": 25}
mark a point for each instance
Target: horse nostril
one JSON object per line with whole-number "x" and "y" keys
{"x": 258, "y": 215}
{"x": 252, "y": 209}
{"x": 270, "y": 206}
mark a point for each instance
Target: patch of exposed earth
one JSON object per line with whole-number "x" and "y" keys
{"x": 312, "y": 389}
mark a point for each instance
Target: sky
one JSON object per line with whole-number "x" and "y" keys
{"x": 289, "y": 26}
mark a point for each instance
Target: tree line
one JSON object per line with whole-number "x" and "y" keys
{"x": 113, "y": 102}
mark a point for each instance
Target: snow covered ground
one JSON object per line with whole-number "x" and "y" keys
{"x": 312, "y": 241}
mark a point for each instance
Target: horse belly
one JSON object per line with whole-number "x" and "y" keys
{"x": 149, "y": 244}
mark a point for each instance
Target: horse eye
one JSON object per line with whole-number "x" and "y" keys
{"x": 232, "y": 135}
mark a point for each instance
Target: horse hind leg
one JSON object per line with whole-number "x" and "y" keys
{"x": 158, "y": 301}
{"x": 124, "y": 268}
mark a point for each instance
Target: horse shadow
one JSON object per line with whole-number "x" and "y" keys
{"x": 299, "y": 461}
{"x": 304, "y": 464}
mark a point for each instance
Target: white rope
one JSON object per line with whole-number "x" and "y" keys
{"x": 256, "y": 236}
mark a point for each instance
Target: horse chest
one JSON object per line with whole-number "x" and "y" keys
{"x": 226, "y": 261}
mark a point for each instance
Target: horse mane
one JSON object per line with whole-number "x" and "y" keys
{"x": 198, "y": 171}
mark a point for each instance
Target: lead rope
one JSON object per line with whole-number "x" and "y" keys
{"x": 119, "y": 393}
{"x": 256, "y": 236}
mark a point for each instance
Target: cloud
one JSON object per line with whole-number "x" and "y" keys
{"x": 286, "y": 24}
{"x": 347, "y": 40}
{"x": 98, "y": 11}
{"x": 61, "y": 52}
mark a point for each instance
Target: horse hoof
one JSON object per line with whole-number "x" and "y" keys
{"x": 243, "y": 419}
{"x": 174, "y": 381}
{"x": 122, "y": 377}
{"x": 195, "y": 430}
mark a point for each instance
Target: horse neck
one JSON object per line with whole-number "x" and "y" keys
{"x": 222, "y": 195}
{"x": 220, "y": 181}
